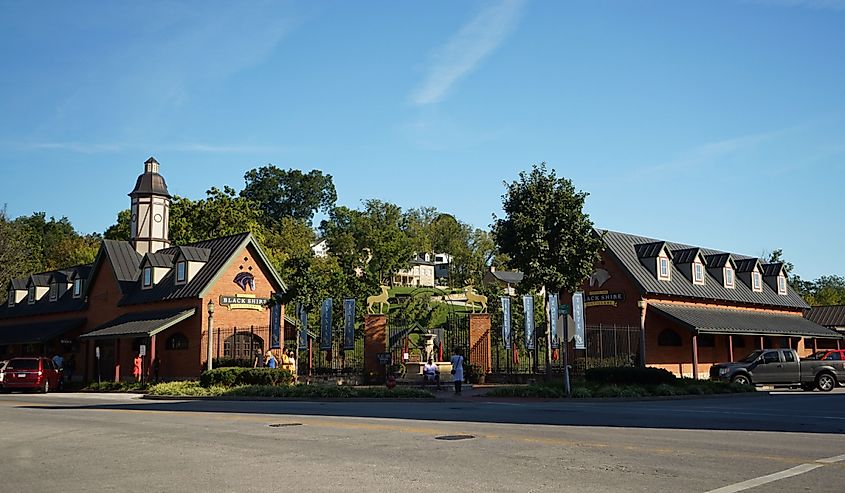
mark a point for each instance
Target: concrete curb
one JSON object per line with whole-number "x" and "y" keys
{"x": 284, "y": 399}
{"x": 687, "y": 397}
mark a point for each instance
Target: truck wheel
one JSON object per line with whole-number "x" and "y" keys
{"x": 825, "y": 382}
{"x": 741, "y": 379}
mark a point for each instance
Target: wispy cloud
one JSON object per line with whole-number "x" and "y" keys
{"x": 473, "y": 42}
{"x": 810, "y": 4}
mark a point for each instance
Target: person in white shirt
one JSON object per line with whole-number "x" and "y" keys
{"x": 431, "y": 374}
{"x": 458, "y": 370}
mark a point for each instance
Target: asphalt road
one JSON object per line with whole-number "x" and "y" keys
{"x": 790, "y": 441}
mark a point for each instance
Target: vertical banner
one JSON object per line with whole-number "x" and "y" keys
{"x": 553, "y": 320}
{"x": 349, "y": 323}
{"x": 275, "y": 323}
{"x": 578, "y": 316}
{"x": 506, "y": 321}
{"x": 528, "y": 306}
{"x": 303, "y": 327}
{"x": 326, "y": 324}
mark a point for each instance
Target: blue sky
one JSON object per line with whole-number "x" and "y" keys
{"x": 716, "y": 123}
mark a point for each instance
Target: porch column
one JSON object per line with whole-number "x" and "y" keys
{"x": 790, "y": 342}
{"x": 695, "y": 356}
{"x": 643, "y": 305}
{"x": 815, "y": 345}
{"x": 117, "y": 360}
{"x": 151, "y": 365}
{"x": 731, "y": 347}
{"x": 761, "y": 343}
{"x": 837, "y": 344}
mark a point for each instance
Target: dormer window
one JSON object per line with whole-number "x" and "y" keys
{"x": 77, "y": 288}
{"x": 181, "y": 272}
{"x": 729, "y": 277}
{"x": 148, "y": 278}
{"x": 30, "y": 295}
{"x": 698, "y": 273}
{"x": 756, "y": 282}
{"x": 781, "y": 285}
{"x": 663, "y": 272}
{"x": 54, "y": 291}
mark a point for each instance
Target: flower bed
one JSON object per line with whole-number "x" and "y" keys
{"x": 194, "y": 389}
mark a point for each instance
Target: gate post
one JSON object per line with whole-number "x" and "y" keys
{"x": 375, "y": 341}
{"x": 479, "y": 340}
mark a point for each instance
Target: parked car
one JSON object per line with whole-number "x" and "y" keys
{"x": 2, "y": 369}
{"x": 782, "y": 367}
{"x": 31, "y": 374}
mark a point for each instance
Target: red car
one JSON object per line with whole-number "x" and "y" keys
{"x": 31, "y": 373}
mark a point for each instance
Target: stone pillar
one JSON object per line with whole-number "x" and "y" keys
{"x": 479, "y": 341}
{"x": 375, "y": 341}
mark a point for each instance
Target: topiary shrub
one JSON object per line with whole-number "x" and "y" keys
{"x": 231, "y": 377}
{"x": 625, "y": 375}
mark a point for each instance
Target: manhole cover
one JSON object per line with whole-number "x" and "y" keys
{"x": 454, "y": 437}
{"x": 284, "y": 425}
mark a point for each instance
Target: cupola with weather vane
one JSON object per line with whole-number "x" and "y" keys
{"x": 150, "y": 212}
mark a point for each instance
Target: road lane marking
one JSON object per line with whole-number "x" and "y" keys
{"x": 770, "y": 478}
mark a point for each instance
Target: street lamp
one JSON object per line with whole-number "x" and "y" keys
{"x": 210, "y": 329}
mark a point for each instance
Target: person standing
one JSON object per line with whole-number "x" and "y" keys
{"x": 136, "y": 368}
{"x": 458, "y": 370}
{"x": 70, "y": 366}
{"x": 270, "y": 360}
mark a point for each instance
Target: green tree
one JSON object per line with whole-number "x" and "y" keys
{"x": 121, "y": 230}
{"x": 826, "y": 291}
{"x": 547, "y": 234}
{"x": 221, "y": 213}
{"x": 282, "y": 193}
{"x": 17, "y": 258}
{"x": 54, "y": 243}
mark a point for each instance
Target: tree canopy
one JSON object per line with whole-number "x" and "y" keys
{"x": 282, "y": 193}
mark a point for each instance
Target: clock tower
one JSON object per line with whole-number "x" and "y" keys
{"x": 150, "y": 223}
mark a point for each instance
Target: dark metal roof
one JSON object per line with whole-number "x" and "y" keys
{"x": 59, "y": 277}
{"x": 719, "y": 260}
{"x": 158, "y": 259}
{"x": 42, "y": 280}
{"x": 829, "y": 316}
{"x": 650, "y": 249}
{"x": 747, "y": 264}
{"x": 686, "y": 255}
{"x": 772, "y": 270}
{"x": 125, "y": 261}
{"x": 508, "y": 276}
{"x": 706, "y": 320}
{"x": 139, "y": 324}
{"x": 150, "y": 183}
{"x": 64, "y": 303}
{"x": 193, "y": 254}
{"x": 37, "y": 333}
{"x": 623, "y": 247}
{"x": 18, "y": 284}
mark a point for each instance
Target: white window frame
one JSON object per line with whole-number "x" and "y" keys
{"x": 54, "y": 291}
{"x": 147, "y": 278}
{"x": 663, "y": 274}
{"x": 730, "y": 280}
{"x": 782, "y": 285}
{"x": 698, "y": 273}
{"x": 756, "y": 282}
{"x": 77, "y": 288}
{"x": 184, "y": 277}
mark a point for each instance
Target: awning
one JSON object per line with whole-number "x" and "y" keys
{"x": 706, "y": 320}
{"x": 144, "y": 324}
{"x": 37, "y": 333}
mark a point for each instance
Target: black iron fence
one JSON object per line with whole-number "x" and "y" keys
{"x": 405, "y": 338}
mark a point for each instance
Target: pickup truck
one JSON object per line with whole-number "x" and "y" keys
{"x": 782, "y": 367}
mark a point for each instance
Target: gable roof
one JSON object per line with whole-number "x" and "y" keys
{"x": 829, "y": 316}
{"x": 719, "y": 260}
{"x": 686, "y": 255}
{"x": 623, "y": 247}
{"x": 158, "y": 259}
{"x": 651, "y": 249}
{"x": 221, "y": 252}
{"x": 192, "y": 254}
{"x": 747, "y": 264}
{"x": 771, "y": 270}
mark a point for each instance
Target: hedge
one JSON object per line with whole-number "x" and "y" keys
{"x": 626, "y": 375}
{"x": 232, "y": 377}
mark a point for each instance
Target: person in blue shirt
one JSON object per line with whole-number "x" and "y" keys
{"x": 270, "y": 360}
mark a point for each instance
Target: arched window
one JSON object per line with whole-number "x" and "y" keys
{"x": 669, "y": 337}
{"x": 243, "y": 345}
{"x": 177, "y": 341}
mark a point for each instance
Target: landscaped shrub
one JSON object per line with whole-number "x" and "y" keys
{"x": 231, "y": 377}
{"x": 111, "y": 386}
{"x": 581, "y": 393}
{"x": 187, "y": 388}
{"x": 624, "y": 375}
{"x": 608, "y": 391}
{"x": 665, "y": 390}
{"x": 632, "y": 391}
{"x": 194, "y": 389}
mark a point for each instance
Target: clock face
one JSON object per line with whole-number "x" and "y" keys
{"x": 157, "y": 218}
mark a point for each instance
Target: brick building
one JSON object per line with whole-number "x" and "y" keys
{"x": 145, "y": 292}
{"x": 697, "y": 306}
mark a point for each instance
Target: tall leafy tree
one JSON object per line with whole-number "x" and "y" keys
{"x": 17, "y": 257}
{"x": 547, "y": 234}
{"x": 54, "y": 243}
{"x": 289, "y": 193}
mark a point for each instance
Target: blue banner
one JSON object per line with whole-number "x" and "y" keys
{"x": 553, "y": 320}
{"x": 275, "y": 324}
{"x": 303, "y": 327}
{"x": 578, "y": 316}
{"x": 528, "y": 306}
{"x": 326, "y": 324}
{"x": 349, "y": 323}
{"x": 506, "y": 321}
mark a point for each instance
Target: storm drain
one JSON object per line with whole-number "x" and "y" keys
{"x": 284, "y": 425}
{"x": 451, "y": 438}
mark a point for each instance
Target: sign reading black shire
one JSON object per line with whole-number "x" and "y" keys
{"x": 603, "y": 298}
{"x": 241, "y": 302}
